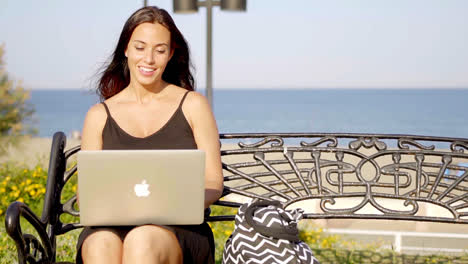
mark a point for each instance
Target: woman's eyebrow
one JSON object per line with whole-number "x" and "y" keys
{"x": 159, "y": 44}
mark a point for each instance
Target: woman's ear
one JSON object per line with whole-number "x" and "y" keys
{"x": 172, "y": 53}
{"x": 125, "y": 52}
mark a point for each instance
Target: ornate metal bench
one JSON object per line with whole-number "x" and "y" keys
{"x": 360, "y": 176}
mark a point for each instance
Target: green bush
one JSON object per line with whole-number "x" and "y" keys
{"x": 28, "y": 185}
{"x": 221, "y": 230}
{"x": 15, "y": 110}
{"x": 22, "y": 184}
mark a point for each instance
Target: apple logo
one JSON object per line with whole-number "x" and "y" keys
{"x": 141, "y": 189}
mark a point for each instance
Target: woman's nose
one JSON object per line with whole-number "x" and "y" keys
{"x": 149, "y": 57}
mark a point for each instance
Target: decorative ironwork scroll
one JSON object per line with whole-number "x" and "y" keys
{"x": 373, "y": 176}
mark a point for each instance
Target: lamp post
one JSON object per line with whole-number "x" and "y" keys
{"x": 191, "y": 6}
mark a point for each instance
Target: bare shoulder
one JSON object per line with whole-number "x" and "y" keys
{"x": 196, "y": 101}
{"x": 96, "y": 113}
{"x": 95, "y": 120}
{"x": 196, "y": 108}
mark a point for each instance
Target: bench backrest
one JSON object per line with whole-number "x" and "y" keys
{"x": 351, "y": 175}
{"x": 365, "y": 176}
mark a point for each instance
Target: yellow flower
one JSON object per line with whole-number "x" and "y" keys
{"x": 14, "y": 188}
{"x": 74, "y": 188}
{"x": 8, "y": 178}
{"x": 32, "y": 193}
{"x": 2, "y": 190}
{"x": 42, "y": 190}
{"x": 1, "y": 211}
{"x": 28, "y": 181}
{"x": 20, "y": 199}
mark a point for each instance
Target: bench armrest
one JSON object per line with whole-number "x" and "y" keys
{"x": 27, "y": 245}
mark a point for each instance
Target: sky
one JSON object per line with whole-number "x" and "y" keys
{"x": 62, "y": 44}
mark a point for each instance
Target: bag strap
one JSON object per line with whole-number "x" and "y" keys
{"x": 287, "y": 232}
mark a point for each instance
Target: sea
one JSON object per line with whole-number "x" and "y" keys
{"x": 433, "y": 112}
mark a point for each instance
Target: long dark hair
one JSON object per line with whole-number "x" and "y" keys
{"x": 116, "y": 75}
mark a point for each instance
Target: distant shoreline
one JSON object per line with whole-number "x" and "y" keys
{"x": 32, "y": 151}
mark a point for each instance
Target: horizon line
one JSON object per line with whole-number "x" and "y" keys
{"x": 283, "y": 88}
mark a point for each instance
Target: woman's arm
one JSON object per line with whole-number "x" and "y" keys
{"x": 91, "y": 137}
{"x": 206, "y": 136}
{"x": 95, "y": 119}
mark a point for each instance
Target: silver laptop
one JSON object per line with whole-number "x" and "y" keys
{"x": 134, "y": 187}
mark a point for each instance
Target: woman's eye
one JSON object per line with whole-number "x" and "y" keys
{"x": 161, "y": 51}
{"x": 139, "y": 48}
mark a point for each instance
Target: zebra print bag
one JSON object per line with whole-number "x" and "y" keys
{"x": 266, "y": 233}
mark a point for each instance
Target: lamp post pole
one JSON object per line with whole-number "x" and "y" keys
{"x": 191, "y": 6}
{"x": 209, "y": 52}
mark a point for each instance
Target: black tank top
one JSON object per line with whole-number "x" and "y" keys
{"x": 175, "y": 134}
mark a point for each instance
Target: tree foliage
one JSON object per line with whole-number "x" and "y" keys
{"x": 15, "y": 109}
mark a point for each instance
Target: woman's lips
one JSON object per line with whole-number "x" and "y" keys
{"x": 146, "y": 71}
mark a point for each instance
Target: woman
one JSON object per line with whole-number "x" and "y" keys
{"x": 149, "y": 103}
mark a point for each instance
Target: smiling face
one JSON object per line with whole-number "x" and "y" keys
{"x": 148, "y": 52}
